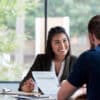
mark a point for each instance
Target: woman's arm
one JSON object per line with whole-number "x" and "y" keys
{"x": 38, "y": 65}
{"x": 24, "y": 84}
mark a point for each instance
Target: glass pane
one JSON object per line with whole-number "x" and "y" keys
{"x": 74, "y": 16}
{"x": 18, "y": 35}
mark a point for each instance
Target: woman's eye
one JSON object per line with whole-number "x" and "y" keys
{"x": 64, "y": 40}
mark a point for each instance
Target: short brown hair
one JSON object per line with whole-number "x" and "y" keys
{"x": 94, "y": 26}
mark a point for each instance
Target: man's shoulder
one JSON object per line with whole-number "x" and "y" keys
{"x": 85, "y": 53}
{"x": 89, "y": 52}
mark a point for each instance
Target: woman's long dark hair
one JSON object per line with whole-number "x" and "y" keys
{"x": 52, "y": 32}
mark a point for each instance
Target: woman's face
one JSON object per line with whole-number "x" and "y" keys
{"x": 60, "y": 45}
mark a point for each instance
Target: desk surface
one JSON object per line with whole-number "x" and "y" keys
{"x": 6, "y": 97}
{"x": 16, "y": 97}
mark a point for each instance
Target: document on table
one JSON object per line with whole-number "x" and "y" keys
{"x": 19, "y": 93}
{"x": 46, "y": 81}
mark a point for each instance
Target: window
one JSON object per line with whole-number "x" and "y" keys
{"x": 79, "y": 12}
{"x": 18, "y": 28}
{"x": 22, "y": 24}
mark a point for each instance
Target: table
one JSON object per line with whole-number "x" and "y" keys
{"x": 6, "y": 97}
{"x": 17, "y": 97}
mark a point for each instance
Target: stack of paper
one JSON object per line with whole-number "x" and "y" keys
{"x": 46, "y": 81}
{"x": 19, "y": 93}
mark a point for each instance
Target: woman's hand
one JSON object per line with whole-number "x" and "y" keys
{"x": 28, "y": 85}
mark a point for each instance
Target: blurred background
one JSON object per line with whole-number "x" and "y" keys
{"x": 24, "y": 25}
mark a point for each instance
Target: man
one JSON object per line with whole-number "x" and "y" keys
{"x": 87, "y": 68}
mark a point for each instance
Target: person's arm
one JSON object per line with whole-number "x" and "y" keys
{"x": 65, "y": 90}
{"x": 24, "y": 84}
{"x": 28, "y": 85}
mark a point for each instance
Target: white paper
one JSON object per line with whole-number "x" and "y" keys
{"x": 46, "y": 81}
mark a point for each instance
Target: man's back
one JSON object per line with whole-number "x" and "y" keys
{"x": 93, "y": 76}
{"x": 87, "y": 70}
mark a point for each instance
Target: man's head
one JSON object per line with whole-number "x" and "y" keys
{"x": 94, "y": 30}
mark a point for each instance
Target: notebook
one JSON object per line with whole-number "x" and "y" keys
{"x": 46, "y": 81}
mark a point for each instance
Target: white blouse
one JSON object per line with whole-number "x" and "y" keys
{"x": 61, "y": 69}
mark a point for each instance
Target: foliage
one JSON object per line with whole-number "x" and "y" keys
{"x": 79, "y": 12}
{"x": 7, "y": 11}
{"x": 7, "y": 42}
{"x": 10, "y": 72}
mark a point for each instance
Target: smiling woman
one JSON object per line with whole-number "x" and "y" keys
{"x": 57, "y": 58}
